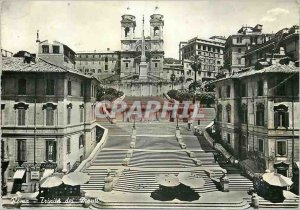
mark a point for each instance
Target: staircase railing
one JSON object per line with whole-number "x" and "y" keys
{"x": 87, "y": 162}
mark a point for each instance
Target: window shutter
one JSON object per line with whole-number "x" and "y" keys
{"x": 54, "y": 151}
{"x": 286, "y": 119}
{"x": 47, "y": 150}
{"x": 276, "y": 120}
{"x": 24, "y": 150}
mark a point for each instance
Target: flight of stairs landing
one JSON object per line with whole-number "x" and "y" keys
{"x": 144, "y": 181}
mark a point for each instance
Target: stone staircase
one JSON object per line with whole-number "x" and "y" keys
{"x": 144, "y": 181}
{"x": 165, "y": 159}
{"x": 96, "y": 181}
{"x": 110, "y": 158}
{"x": 237, "y": 181}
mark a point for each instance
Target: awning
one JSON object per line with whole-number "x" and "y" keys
{"x": 19, "y": 174}
{"x": 47, "y": 173}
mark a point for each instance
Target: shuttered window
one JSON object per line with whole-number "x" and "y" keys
{"x": 22, "y": 87}
{"x": 281, "y": 148}
{"x": 21, "y": 116}
{"x": 21, "y": 149}
{"x": 50, "y": 87}
{"x": 49, "y": 116}
{"x": 51, "y": 150}
{"x": 68, "y": 145}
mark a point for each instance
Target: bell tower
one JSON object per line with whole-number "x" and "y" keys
{"x": 156, "y": 25}
{"x": 128, "y": 24}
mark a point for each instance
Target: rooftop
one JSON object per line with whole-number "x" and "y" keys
{"x": 251, "y": 71}
{"x": 17, "y": 64}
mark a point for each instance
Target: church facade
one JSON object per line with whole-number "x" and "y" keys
{"x": 132, "y": 46}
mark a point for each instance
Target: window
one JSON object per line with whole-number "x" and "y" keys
{"x": 22, "y": 87}
{"x": 208, "y": 48}
{"x": 49, "y": 116}
{"x": 244, "y": 114}
{"x": 126, "y": 65}
{"x": 93, "y": 70}
{"x": 68, "y": 145}
{"x": 45, "y": 48}
{"x": 69, "y": 88}
{"x": 204, "y": 47}
{"x": 281, "y": 116}
{"x": 51, "y": 150}
{"x": 228, "y": 138}
{"x": 127, "y": 29}
{"x": 21, "y": 116}
{"x": 81, "y": 114}
{"x": 106, "y": 59}
{"x": 243, "y": 90}
{"x": 69, "y": 110}
{"x": 81, "y": 141}
{"x": 239, "y": 39}
{"x": 260, "y": 88}
{"x": 106, "y": 67}
{"x": 219, "y": 112}
{"x": 81, "y": 89}
{"x": 228, "y": 91}
{"x": 21, "y": 149}
{"x": 260, "y": 109}
{"x": 239, "y": 61}
{"x": 156, "y": 31}
{"x": 220, "y": 92}
{"x": 239, "y": 50}
{"x": 260, "y": 145}
{"x": 50, "y": 87}
{"x": 281, "y": 147}
{"x": 55, "y": 49}
{"x": 228, "y": 110}
{"x": 155, "y": 65}
{"x": 99, "y": 70}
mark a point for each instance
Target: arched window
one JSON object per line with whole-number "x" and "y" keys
{"x": 22, "y": 87}
{"x": 127, "y": 29}
{"x": 81, "y": 141}
{"x": 156, "y": 31}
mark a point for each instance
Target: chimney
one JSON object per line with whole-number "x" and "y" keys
{"x": 27, "y": 57}
{"x": 108, "y": 49}
{"x": 37, "y": 46}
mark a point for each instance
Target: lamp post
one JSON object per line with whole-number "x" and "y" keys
{"x": 172, "y": 79}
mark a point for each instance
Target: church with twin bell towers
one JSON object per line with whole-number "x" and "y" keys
{"x": 142, "y": 56}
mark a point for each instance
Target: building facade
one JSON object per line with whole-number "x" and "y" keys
{"x": 102, "y": 64}
{"x": 285, "y": 43}
{"x": 48, "y": 119}
{"x": 258, "y": 106}
{"x": 210, "y": 51}
{"x": 236, "y": 45}
{"x": 56, "y": 53}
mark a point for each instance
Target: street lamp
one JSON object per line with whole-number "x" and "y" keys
{"x": 172, "y": 79}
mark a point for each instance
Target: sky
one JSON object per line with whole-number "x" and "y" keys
{"x": 95, "y": 25}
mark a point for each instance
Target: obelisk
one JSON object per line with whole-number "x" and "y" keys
{"x": 143, "y": 63}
